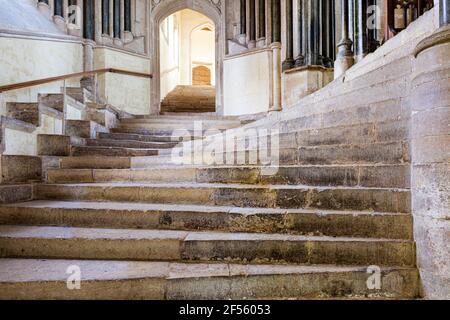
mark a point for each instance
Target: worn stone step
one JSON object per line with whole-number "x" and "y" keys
{"x": 57, "y": 145}
{"x": 179, "y": 125}
{"x": 129, "y": 144}
{"x": 187, "y": 116}
{"x": 97, "y": 162}
{"x": 47, "y": 279}
{"x": 385, "y": 152}
{"x": 137, "y": 137}
{"x": 130, "y": 215}
{"x": 167, "y": 132}
{"x": 12, "y": 193}
{"x": 20, "y": 169}
{"x": 74, "y": 108}
{"x": 383, "y": 176}
{"x": 174, "y": 108}
{"x": 84, "y": 129}
{"x": 151, "y": 245}
{"x": 242, "y": 195}
{"x": 113, "y": 151}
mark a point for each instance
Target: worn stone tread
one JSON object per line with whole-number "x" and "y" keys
{"x": 47, "y": 279}
{"x": 209, "y": 218}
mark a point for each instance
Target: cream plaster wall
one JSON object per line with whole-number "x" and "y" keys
{"x": 23, "y": 59}
{"x": 169, "y": 48}
{"x": 128, "y": 93}
{"x": 248, "y": 83}
{"x": 200, "y": 48}
{"x": 203, "y": 52}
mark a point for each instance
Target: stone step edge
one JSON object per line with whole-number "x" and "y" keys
{"x": 77, "y": 233}
{"x": 168, "y": 280}
{"x": 133, "y": 206}
{"x": 224, "y": 269}
{"x": 197, "y": 185}
{"x": 128, "y": 215}
{"x": 157, "y": 245}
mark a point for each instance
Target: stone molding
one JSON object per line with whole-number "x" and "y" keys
{"x": 440, "y": 36}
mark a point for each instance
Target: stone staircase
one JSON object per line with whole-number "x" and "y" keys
{"x": 142, "y": 227}
{"x": 190, "y": 99}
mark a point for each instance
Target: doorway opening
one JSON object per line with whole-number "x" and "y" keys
{"x": 187, "y": 62}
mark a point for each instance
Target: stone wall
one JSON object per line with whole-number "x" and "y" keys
{"x": 129, "y": 94}
{"x": 247, "y": 82}
{"x": 430, "y": 150}
{"x": 394, "y": 107}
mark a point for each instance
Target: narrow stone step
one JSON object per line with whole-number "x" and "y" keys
{"x": 188, "y": 116}
{"x": 129, "y": 144}
{"x": 137, "y": 137}
{"x": 164, "y": 245}
{"x": 97, "y": 162}
{"x": 169, "y": 133}
{"x": 113, "y": 151}
{"x": 383, "y": 176}
{"x": 242, "y": 195}
{"x": 47, "y": 279}
{"x": 179, "y": 125}
{"x": 130, "y": 215}
{"x": 16, "y": 193}
{"x": 209, "y": 120}
{"x": 84, "y": 129}
{"x": 384, "y": 153}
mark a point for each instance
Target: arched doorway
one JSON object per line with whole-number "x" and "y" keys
{"x": 201, "y": 76}
{"x": 163, "y": 9}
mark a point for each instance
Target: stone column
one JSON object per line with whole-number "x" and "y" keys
{"x": 345, "y": 55}
{"x": 111, "y": 18}
{"x": 88, "y": 44}
{"x": 361, "y": 46}
{"x": 327, "y": 33}
{"x": 89, "y": 20}
{"x": 58, "y": 9}
{"x": 262, "y": 20}
{"x": 105, "y": 16}
{"x": 300, "y": 59}
{"x": 289, "y": 62}
{"x": 252, "y": 24}
{"x": 122, "y": 19}
{"x": 313, "y": 41}
{"x": 117, "y": 19}
{"x": 444, "y": 12}
{"x": 276, "y": 74}
{"x": 276, "y": 56}
{"x": 243, "y": 12}
{"x": 127, "y": 15}
{"x": 276, "y": 21}
{"x": 430, "y": 149}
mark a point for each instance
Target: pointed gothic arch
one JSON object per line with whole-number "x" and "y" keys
{"x": 212, "y": 9}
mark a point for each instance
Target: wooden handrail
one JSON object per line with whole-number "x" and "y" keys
{"x": 33, "y": 83}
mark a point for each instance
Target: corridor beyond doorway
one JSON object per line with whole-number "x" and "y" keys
{"x": 187, "y": 64}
